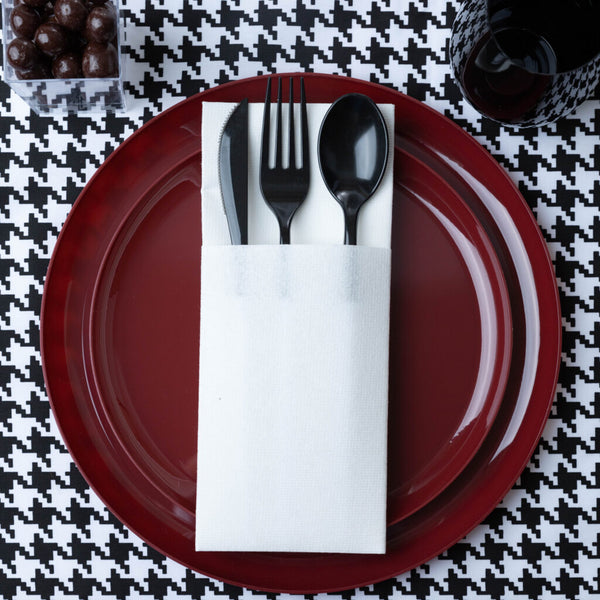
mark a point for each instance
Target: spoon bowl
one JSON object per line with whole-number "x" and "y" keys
{"x": 353, "y": 152}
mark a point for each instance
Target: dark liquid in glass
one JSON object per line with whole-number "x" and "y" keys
{"x": 511, "y": 70}
{"x": 511, "y": 85}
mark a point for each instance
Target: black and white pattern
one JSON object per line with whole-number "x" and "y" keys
{"x": 57, "y": 540}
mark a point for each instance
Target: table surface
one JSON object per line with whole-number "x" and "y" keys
{"x": 57, "y": 540}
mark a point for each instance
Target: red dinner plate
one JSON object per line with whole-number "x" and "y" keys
{"x": 119, "y": 341}
{"x": 451, "y": 318}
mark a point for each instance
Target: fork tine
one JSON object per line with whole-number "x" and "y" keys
{"x": 292, "y": 134}
{"x": 304, "y": 127}
{"x": 278, "y": 142}
{"x": 266, "y": 132}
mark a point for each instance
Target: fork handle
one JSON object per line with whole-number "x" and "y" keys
{"x": 284, "y": 213}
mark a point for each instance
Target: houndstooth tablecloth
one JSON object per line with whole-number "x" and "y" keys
{"x": 57, "y": 540}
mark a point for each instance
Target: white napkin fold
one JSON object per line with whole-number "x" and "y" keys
{"x": 292, "y": 413}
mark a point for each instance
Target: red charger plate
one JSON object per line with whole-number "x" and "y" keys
{"x": 451, "y": 310}
{"x": 83, "y": 316}
{"x": 450, "y": 318}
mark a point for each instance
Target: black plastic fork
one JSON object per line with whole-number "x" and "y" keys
{"x": 284, "y": 188}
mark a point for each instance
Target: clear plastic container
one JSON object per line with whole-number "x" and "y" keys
{"x": 65, "y": 95}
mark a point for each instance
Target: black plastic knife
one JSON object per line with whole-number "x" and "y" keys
{"x": 233, "y": 173}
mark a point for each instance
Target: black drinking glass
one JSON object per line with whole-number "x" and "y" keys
{"x": 526, "y": 62}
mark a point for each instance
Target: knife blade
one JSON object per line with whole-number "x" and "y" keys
{"x": 233, "y": 172}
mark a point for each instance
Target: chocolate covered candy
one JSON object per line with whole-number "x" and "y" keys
{"x": 101, "y": 24}
{"x": 71, "y": 14}
{"x": 52, "y": 39}
{"x": 100, "y": 60}
{"x": 39, "y": 70}
{"x": 24, "y": 21}
{"x": 22, "y": 54}
{"x": 63, "y": 39}
{"x": 67, "y": 66}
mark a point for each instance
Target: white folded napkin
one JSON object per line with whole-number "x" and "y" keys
{"x": 292, "y": 412}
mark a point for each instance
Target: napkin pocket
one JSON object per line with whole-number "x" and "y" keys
{"x": 293, "y": 394}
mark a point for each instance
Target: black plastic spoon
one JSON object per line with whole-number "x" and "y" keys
{"x": 353, "y": 151}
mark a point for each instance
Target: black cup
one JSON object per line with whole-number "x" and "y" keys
{"x": 526, "y": 62}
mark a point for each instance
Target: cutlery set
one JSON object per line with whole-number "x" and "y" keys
{"x": 352, "y": 153}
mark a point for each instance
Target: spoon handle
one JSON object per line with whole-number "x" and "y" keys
{"x": 351, "y": 225}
